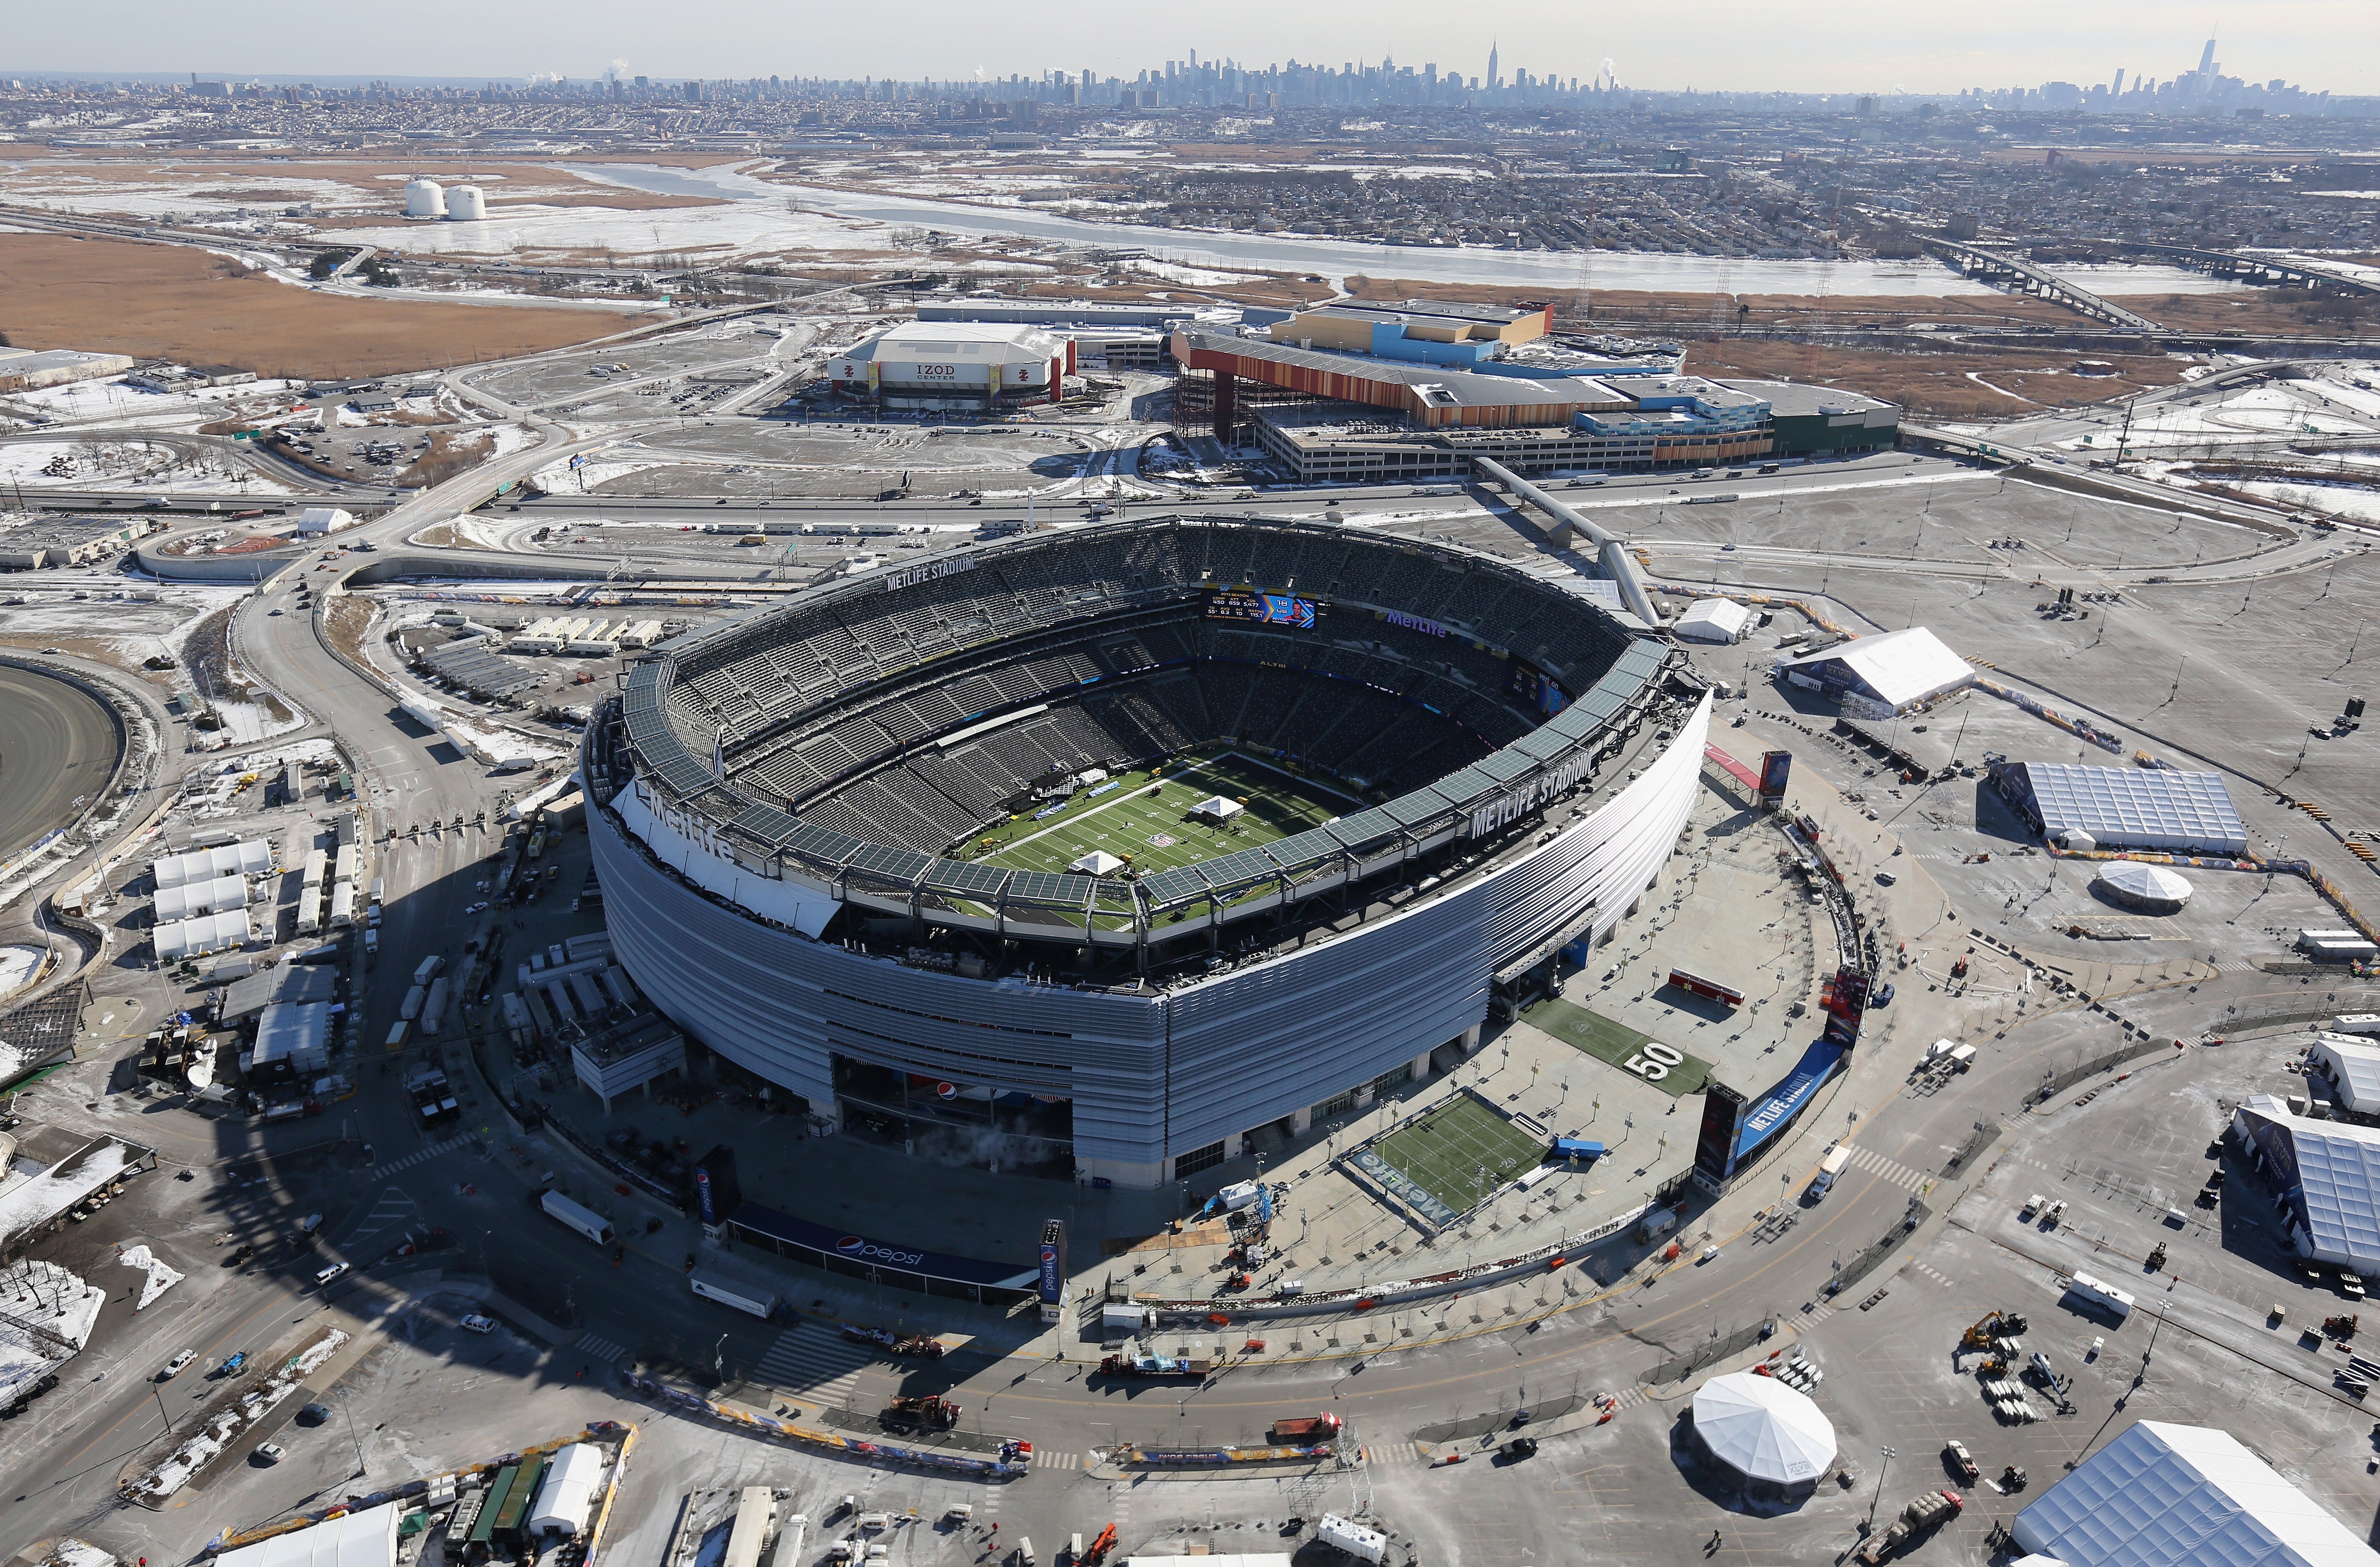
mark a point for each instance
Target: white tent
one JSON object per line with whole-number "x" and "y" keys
{"x": 1887, "y": 674}
{"x": 250, "y": 857}
{"x": 1218, "y": 810}
{"x": 1713, "y": 619}
{"x": 2135, "y": 885}
{"x": 1098, "y": 862}
{"x": 568, "y": 1494}
{"x": 199, "y": 897}
{"x": 2183, "y": 1496}
{"x": 203, "y": 933}
{"x": 325, "y": 520}
{"x": 1763, "y": 1429}
{"x": 2353, "y": 1067}
{"x": 359, "y": 1539}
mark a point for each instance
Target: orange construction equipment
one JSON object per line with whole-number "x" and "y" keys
{"x": 1099, "y": 1547}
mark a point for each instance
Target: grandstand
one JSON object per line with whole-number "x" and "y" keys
{"x": 812, "y": 820}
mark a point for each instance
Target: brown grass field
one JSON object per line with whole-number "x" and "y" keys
{"x": 1935, "y": 385}
{"x": 165, "y": 301}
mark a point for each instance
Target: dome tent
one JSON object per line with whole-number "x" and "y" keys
{"x": 1763, "y": 1429}
{"x": 2148, "y": 887}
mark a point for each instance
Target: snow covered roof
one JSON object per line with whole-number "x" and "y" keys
{"x": 2183, "y": 1496}
{"x": 1712, "y": 620}
{"x": 1764, "y": 1429}
{"x": 359, "y": 1539}
{"x": 1898, "y": 668}
{"x": 2354, "y": 1065}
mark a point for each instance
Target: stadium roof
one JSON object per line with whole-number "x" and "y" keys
{"x": 1899, "y": 669}
{"x": 959, "y": 340}
{"x": 2138, "y": 806}
{"x": 2183, "y": 1496}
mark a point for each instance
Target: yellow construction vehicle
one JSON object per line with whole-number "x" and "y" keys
{"x": 1991, "y": 1326}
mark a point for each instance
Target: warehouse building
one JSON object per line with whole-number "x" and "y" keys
{"x": 2130, "y": 808}
{"x": 2165, "y": 1495}
{"x": 28, "y": 370}
{"x": 955, "y": 364}
{"x": 1815, "y": 422}
{"x": 1879, "y": 676}
{"x": 70, "y": 540}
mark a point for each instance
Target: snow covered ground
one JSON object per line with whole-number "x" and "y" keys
{"x": 157, "y": 1277}
{"x": 52, "y": 1299}
{"x": 138, "y": 622}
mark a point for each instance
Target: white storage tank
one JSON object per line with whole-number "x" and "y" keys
{"x": 466, "y": 204}
{"x": 423, "y": 199}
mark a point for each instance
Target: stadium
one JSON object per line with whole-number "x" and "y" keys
{"x": 1095, "y": 850}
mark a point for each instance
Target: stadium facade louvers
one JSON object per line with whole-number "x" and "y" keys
{"x": 718, "y": 901}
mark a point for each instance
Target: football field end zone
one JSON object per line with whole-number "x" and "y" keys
{"x": 1127, "y": 824}
{"x": 1428, "y": 1163}
{"x": 1664, "y": 1067}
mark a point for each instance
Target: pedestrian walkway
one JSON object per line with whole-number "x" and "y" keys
{"x": 418, "y": 1155}
{"x": 601, "y": 1348}
{"x": 1803, "y": 1322}
{"x": 1046, "y": 1458}
{"x": 1940, "y": 1279}
{"x": 815, "y": 1361}
{"x": 1891, "y": 1169}
{"x": 1393, "y": 1453}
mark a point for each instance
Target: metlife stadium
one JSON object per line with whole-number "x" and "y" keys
{"x": 812, "y": 825}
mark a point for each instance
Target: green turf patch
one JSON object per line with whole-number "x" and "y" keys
{"x": 1457, "y": 1154}
{"x": 1671, "y": 1070}
{"x": 1145, "y": 819}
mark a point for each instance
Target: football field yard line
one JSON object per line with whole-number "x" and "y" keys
{"x": 1130, "y": 825}
{"x": 1125, "y": 797}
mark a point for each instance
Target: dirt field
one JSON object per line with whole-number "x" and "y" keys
{"x": 2261, "y": 309}
{"x": 1604, "y": 309}
{"x": 173, "y": 302}
{"x": 1935, "y": 385}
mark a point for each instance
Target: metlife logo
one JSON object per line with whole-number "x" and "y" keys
{"x": 869, "y": 1251}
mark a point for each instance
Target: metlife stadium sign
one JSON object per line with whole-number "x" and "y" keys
{"x": 1531, "y": 795}
{"x": 927, "y": 571}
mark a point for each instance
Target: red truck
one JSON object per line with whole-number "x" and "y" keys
{"x": 1310, "y": 1430}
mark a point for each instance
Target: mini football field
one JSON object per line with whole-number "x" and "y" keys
{"x": 1445, "y": 1151}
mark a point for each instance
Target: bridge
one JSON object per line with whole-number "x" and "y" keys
{"x": 2253, "y": 269}
{"x": 1995, "y": 266}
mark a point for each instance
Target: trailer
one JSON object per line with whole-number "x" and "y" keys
{"x": 2106, "y": 1297}
{"x": 2365, "y": 1024}
{"x": 1307, "y": 1429}
{"x": 410, "y": 1009}
{"x": 726, "y": 1291}
{"x": 1709, "y": 990}
{"x": 1577, "y": 1148}
{"x": 433, "y": 1007}
{"x": 1126, "y": 1318}
{"x": 426, "y": 969}
{"x": 1346, "y": 1535}
{"x": 932, "y": 1411}
{"x": 586, "y": 1220}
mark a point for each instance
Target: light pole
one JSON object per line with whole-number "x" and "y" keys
{"x": 1882, "y": 1469}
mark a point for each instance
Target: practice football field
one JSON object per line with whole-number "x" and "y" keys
{"x": 1445, "y": 1151}
{"x": 1145, "y": 819}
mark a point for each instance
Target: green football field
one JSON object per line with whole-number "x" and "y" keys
{"x": 1146, "y": 818}
{"x": 1672, "y": 1070}
{"x": 1445, "y": 1151}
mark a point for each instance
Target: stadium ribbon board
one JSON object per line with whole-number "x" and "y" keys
{"x": 1454, "y": 1156}
{"x": 1666, "y": 1068}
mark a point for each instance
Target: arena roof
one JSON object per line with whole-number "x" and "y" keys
{"x": 672, "y": 733}
{"x": 2140, "y": 808}
{"x": 2164, "y": 1495}
{"x": 959, "y": 340}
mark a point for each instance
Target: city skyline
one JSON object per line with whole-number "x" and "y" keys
{"x": 2324, "y": 45}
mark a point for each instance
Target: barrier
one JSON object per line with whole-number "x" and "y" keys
{"x": 1218, "y": 1457}
{"x": 949, "y": 1463}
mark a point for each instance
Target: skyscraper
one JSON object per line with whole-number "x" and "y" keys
{"x": 2207, "y": 61}
{"x": 1495, "y": 81}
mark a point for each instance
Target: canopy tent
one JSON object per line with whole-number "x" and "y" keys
{"x": 1098, "y": 862}
{"x": 1713, "y": 619}
{"x": 1884, "y": 675}
{"x": 1763, "y": 1429}
{"x": 1216, "y": 808}
{"x": 2150, "y": 887}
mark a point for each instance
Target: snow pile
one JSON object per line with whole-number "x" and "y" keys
{"x": 161, "y": 1278}
{"x": 193, "y": 1455}
{"x": 46, "y": 1296}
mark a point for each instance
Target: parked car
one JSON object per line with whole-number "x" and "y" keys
{"x": 475, "y": 1323}
{"x": 332, "y": 1271}
{"x": 314, "y": 1414}
{"x": 271, "y": 1452}
{"x": 177, "y": 1366}
{"x": 1959, "y": 1458}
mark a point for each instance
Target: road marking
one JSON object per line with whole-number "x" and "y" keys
{"x": 1045, "y": 1458}
{"x": 1891, "y": 1169}
{"x": 601, "y": 1348}
{"x": 815, "y": 1362}
{"x": 1393, "y": 1452}
{"x": 393, "y": 1209}
{"x": 418, "y": 1155}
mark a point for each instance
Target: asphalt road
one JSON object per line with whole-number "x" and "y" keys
{"x": 57, "y": 748}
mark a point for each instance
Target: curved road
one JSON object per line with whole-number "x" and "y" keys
{"x": 57, "y": 748}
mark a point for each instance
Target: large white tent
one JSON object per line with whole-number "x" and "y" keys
{"x": 357, "y": 1539}
{"x": 1098, "y": 862}
{"x": 1763, "y": 1429}
{"x": 1713, "y": 619}
{"x": 1217, "y": 809}
{"x": 2183, "y": 1496}
{"x": 1880, "y": 675}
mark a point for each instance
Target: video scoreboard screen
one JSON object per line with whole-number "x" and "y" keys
{"x": 1273, "y": 609}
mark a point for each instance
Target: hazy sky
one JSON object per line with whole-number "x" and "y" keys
{"x": 1848, "y": 45}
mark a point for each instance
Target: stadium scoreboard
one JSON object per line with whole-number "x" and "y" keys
{"x": 1272, "y": 608}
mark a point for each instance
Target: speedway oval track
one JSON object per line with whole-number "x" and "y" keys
{"x": 58, "y": 745}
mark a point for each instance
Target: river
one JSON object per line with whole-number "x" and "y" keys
{"x": 1553, "y": 271}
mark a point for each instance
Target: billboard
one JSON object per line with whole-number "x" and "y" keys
{"x": 1533, "y": 687}
{"x": 1715, "y": 1145}
{"x": 1272, "y": 609}
{"x": 1776, "y": 771}
{"x": 1053, "y": 1268}
{"x": 716, "y": 1188}
{"x": 1844, "y": 1000}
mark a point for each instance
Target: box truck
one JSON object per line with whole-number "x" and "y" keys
{"x": 586, "y": 1220}
{"x": 726, "y": 1291}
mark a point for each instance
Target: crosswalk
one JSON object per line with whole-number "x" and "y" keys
{"x": 1803, "y": 1322}
{"x": 1391, "y": 1452}
{"x": 1891, "y": 1169}
{"x": 815, "y": 1361}
{"x": 1939, "y": 1278}
{"x": 419, "y": 1155}
{"x": 1628, "y": 1398}
{"x": 601, "y": 1348}
{"x": 1049, "y": 1458}
{"x": 393, "y": 1209}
